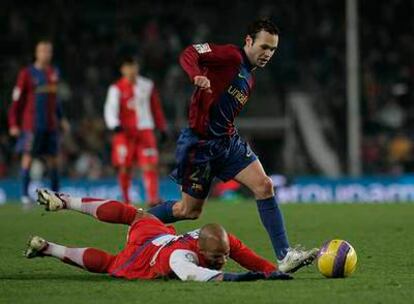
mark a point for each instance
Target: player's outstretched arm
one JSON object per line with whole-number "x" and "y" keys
{"x": 247, "y": 258}
{"x": 184, "y": 263}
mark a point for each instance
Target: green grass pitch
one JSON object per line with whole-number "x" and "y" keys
{"x": 383, "y": 236}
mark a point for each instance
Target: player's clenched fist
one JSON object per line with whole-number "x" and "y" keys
{"x": 202, "y": 81}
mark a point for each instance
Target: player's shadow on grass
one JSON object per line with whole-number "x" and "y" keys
{"x": 59, "y": 277}
{"x": 69, "y": 277}
{"x": 309, "y": 278}
{"x": 93, "y": 278}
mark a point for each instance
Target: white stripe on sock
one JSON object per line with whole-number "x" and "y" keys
{"x": 61, "y": 252}
{"x": 92, "y": 207}
{"x": 75, "y": 255}
{"x": 74, "y": 203}
{"x": 55, "y": 250}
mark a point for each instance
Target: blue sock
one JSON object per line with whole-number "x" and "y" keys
{"x": 272, "y": 220}
{"x": 54, "y": 180}
{"x": 164, "y": 212}
{"x": 25, "y": 175}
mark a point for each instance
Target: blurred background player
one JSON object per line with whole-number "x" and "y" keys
{"x": 132, "y": 111}
{"x": 35, "y": 116}
{"x": 211, "y": 146}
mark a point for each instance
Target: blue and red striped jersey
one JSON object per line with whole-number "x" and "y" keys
{"x": 212, "y": 111}
{"x": 35, "y": 105}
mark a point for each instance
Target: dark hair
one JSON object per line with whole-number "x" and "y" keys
{"x": 263, "y": 24}
{"x": 43, "y": 40}
{"x": 128, "y": 60}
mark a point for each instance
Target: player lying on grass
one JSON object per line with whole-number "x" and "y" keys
{"x": 153, "y": 249}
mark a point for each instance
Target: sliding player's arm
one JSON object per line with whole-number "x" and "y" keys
{"x": 247, "y": 258}
{"x": 184, "y": 263}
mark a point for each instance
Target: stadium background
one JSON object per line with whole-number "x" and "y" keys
{"x": 90, "y": 37}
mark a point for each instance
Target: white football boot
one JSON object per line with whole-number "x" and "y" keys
{"x": 297, "y": 258}
{"x": 35, "y": 246}
{"x": 52, "y": 201}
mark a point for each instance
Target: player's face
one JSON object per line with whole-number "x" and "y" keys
{"x": 261, "y": 49}
{"x": 130, "y": 71}
{"x": 217, "y": 257}
{"x": 44, "y": 52}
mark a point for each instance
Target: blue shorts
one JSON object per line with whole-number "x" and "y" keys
{"x": 38, "y": 143}
{"x": 199, "y": 161}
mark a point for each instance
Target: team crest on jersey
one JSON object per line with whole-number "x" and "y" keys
{"x": 202, "y": 48}
{"x": 191, "y": 258}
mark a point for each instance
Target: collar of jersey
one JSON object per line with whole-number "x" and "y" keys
{"x": 246, "y": 61}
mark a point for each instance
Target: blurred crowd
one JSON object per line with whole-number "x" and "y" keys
{"x": 90, "y": 37}
{"x": 387, "y": 45}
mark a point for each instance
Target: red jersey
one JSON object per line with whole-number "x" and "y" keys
{"x": 35, "y": 105}
{"x": 176, "y": 258}
{"x": 171, "y": 255}
{"x": 134, "y": 106}
{"x": 212, "y": 111}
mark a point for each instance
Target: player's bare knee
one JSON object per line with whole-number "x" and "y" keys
{"x": 264, "y": 189}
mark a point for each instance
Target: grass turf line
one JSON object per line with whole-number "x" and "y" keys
{"x": 381, "y": 234}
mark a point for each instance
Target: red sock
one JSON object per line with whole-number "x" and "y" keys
{"x": 96, "y": 260}
{"x": 116, "y": 212}
{"x": 92, "y": 259}
{"x": 109, "y": 211}
{"x": 124, "y": 179}
{"x": 151, "y": 186}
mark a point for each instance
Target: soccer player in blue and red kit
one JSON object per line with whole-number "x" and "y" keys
{"x": 211, "y": 146}
{"x": 35, "y": 115}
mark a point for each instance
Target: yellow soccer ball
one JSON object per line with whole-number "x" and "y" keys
{"x": 336, "y": 259}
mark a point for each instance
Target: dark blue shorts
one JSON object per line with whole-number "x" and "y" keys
{"x": 199, "y": 161}
{"x": 38, "y": 143}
